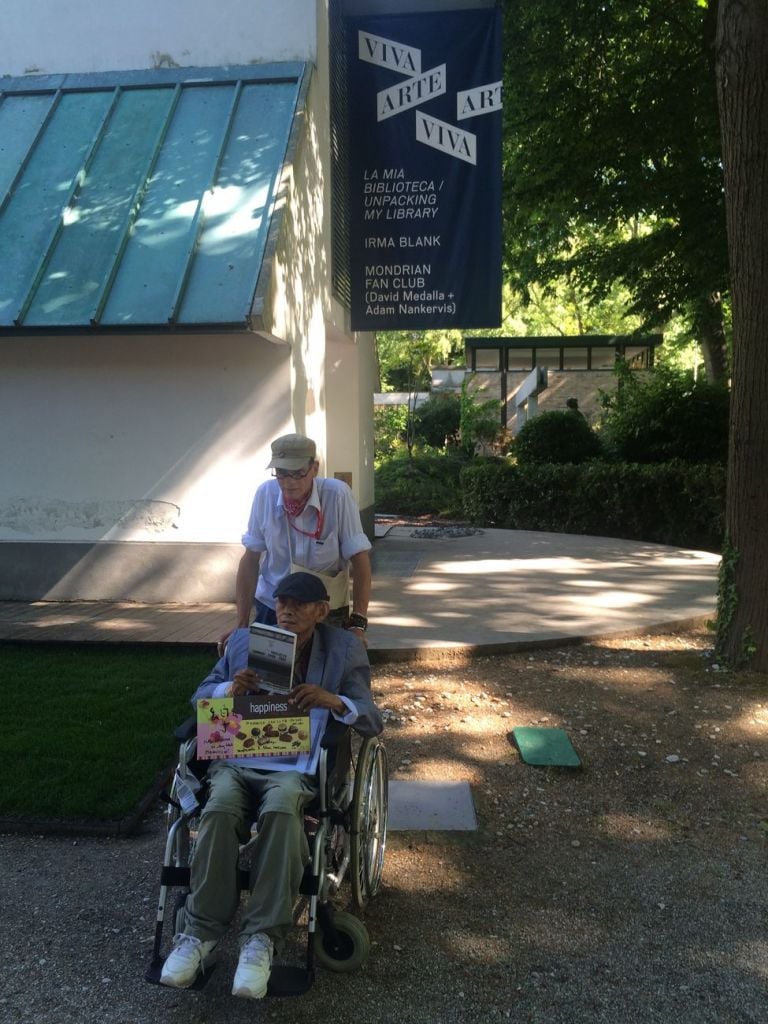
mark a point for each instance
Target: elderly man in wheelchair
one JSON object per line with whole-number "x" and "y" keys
{"x": 331, "y": 684}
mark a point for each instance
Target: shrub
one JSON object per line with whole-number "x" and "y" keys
{"x": 421, "y": 485}
{"x": 665, "y": 415}
{"x": 390, "y": 423}
{"x": 674, "y": 503}
{"x": 556, "y": 437}
{"x": 480, "y": 420}
{"x": 436, "y": 421}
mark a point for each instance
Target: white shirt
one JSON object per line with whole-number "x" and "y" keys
{"x": 270, "y": 532}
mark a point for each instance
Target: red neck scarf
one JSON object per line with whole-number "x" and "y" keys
{"x": 295, "y": 508}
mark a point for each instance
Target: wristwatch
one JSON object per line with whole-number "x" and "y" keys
{"x": 357, "y": 621}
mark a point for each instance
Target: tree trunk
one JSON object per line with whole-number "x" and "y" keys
{"x": 742, "y": 81}
{"x": 711, "y": 334}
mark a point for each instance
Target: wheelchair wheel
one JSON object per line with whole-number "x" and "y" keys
{"x": 368, "y": 821}
{"x": 349, "y": 950}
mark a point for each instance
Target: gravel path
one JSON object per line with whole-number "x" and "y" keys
{"x": 633, "y": 890}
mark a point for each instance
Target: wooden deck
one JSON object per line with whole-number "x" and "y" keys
{"x": 114, "y": 622}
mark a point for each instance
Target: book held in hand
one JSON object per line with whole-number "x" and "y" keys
{"x": 271, "y": 654}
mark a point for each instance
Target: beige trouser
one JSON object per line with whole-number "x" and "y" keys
{"x": 278, "y": 856}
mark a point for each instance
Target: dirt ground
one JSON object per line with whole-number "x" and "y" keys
{"x": 632, "y": 889}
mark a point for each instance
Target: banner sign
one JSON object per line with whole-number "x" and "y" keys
{"x": 424, "y": 100}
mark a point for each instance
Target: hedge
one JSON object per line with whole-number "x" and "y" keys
{"x": 420, "y": 485}
{"x": 676, "y": 503}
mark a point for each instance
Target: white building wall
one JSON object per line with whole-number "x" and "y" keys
{"x": 149, "y": 447}
{"x": 351, "y": 376}
{"x": 350, "y": 384}
{"x": 136, "y": 438}
{"x": 57, "y": 36}
{"x": 334, "y": 369}
{"x": 128, "y": 463}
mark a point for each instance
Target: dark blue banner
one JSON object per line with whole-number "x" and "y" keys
{"x": 424, "y": 96}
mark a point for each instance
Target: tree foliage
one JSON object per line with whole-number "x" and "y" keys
{"x": 612, "y": 169}
{"x": 406, "y": 358}
{"x": 436, "y": 421}
{"x": 480, "y": 421}
{"x": 390, "y": 427}
{"x": 665, "y": 415}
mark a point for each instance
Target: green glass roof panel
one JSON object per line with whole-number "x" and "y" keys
{"x": 157, "y": 252}
{"x": 237, "y": 210}
{"x": 99, "y": 215}
{"x": 33, "y": 212}
{"x": 20, "y": 122}
{"x": 139, "y": 200}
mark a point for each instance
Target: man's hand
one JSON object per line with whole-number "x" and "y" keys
{"x": 246, "y": 681}
{"x": 221, "y": 643}
{"x": 306, "y": 696}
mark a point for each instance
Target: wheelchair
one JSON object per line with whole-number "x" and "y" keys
{"x": 346, "y": 828}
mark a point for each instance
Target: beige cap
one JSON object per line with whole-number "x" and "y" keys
{"x": 292, "y": 451}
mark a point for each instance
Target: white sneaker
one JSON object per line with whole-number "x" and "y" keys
{"x": 254, "y": 967}
{"x": 186, "y": 960}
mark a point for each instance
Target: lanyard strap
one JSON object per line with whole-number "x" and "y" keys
{"x": 314, "y": 534}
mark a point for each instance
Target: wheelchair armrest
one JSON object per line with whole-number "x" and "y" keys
{"x": 186, "y": 730}
{"x": 335, "y": 734}
{"x": 338, "y": 742}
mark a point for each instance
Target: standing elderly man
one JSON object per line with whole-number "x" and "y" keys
{"x": 332, "y": 684}
{"x": 302, "y": 521}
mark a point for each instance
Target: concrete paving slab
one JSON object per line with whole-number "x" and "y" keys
{"x": 431, "y": 806}
{"x": 505, "y": 589}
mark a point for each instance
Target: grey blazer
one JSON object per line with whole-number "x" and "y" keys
{"x": 338, "y": 662}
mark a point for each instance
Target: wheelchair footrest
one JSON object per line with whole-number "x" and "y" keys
{"x": 310, "y": 883}
{"x": 174, "y": 876}
{"x": 285, "y": 981}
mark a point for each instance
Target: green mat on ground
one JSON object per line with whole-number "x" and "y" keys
{"x": 545, "y": 747}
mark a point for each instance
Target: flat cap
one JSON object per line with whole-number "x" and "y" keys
{"x": 302, "y": 587}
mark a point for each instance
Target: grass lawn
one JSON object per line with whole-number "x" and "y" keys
{"x": 88, "y": 730}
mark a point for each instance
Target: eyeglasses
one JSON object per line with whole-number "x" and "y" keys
{"x": 291, "y": 474}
